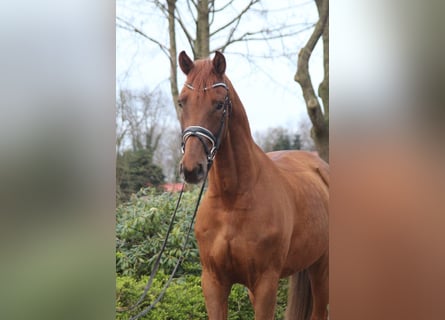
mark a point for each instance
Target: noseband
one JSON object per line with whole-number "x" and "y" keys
{"x": 202, "y": 133}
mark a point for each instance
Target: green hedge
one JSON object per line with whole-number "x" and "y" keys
{"x": 141, "y": 225}
{"x": 184, "y": 299}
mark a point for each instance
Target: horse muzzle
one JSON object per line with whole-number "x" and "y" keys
{"x": 199, "y": 154}
{"x": 194, "y": 174}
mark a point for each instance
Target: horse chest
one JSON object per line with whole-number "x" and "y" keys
{"x": 229, "y": 245}
{"x": 228, "y": 256}
{"x": 219, "y": 241}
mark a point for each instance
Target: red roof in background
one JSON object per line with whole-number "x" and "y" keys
{"x": 172, "y": 187}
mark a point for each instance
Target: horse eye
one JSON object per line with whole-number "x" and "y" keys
{"x": 180, "y": 104}
{"x": 219, "y": 105}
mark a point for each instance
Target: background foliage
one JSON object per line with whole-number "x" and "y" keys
{"x": 141, "y": 225}
{"x": 135, "y": 170}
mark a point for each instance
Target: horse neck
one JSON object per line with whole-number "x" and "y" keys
{"x": 234, "y": 170}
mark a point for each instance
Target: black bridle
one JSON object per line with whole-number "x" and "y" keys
{"x": 202, "y": 133}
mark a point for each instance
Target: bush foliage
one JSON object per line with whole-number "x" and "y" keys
{"x": 141, "y": 225}
{"x": 135, "y": 170}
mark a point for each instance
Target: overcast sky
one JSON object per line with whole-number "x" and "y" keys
{"x": 266, "y": 86}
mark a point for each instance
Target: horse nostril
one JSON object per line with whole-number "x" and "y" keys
{"x": 194, "y": 175}
{"x": 200, "y": 170}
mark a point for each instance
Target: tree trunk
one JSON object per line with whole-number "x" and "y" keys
{"x": 321, "y": 140}
{"x": 319, "y": 119}
{"x": 171, "y": 7}
{"x": 202, "y": 41}
{"x": 323, "y": 89}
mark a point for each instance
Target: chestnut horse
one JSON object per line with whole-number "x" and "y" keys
{"x": 263, "y": 216}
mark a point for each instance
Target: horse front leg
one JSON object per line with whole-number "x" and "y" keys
{"x": 216, "y": 296}
{"x": 264, "y": 296}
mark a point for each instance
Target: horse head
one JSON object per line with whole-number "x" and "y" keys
{"x": 205, "y": 105}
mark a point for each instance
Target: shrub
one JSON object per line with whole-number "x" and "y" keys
{"x": 141, "y": 225}
{"x": 134, "y": 170}
{"x": 184, "y": 299}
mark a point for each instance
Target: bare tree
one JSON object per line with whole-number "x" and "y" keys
{"x": 143, "y": 121}
{"x": 208, "y": 27}
{"x": 272, "y": 138}
{"x": 173, "y": 53}
{"x": 121, "y": 120}
{"x": 304, "y": 129}
{"x": 168, "y": 154}
{"x": 318, "y": 111}
{"x": 141, "y": 118}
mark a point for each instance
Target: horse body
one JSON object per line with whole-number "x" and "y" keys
{"x": 263, "y": 217}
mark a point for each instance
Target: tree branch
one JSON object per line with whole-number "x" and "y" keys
{"x": 195, "y": 4}
{"x": 266, "y": 35}
{"x": 189, "y": 37}
{"x": 323, "y": 88}
{"x": 190, "y": 9}
{"x": 173, "y": 54}
{"x": 223, "y": 7}
{"x": 178, "y": 18}
{"x": 302, "y": 75}
{"x": 211, "y": 12}
{"x": 129, "y": 27}
{"x": 238, "y": 17}
{"x": 230, "y": 37}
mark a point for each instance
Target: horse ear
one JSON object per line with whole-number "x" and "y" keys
{"x": 185, "y": 62}
{"x": 219, "y": 63}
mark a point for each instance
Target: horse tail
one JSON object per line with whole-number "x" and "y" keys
{"x": 299, "y": 299}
